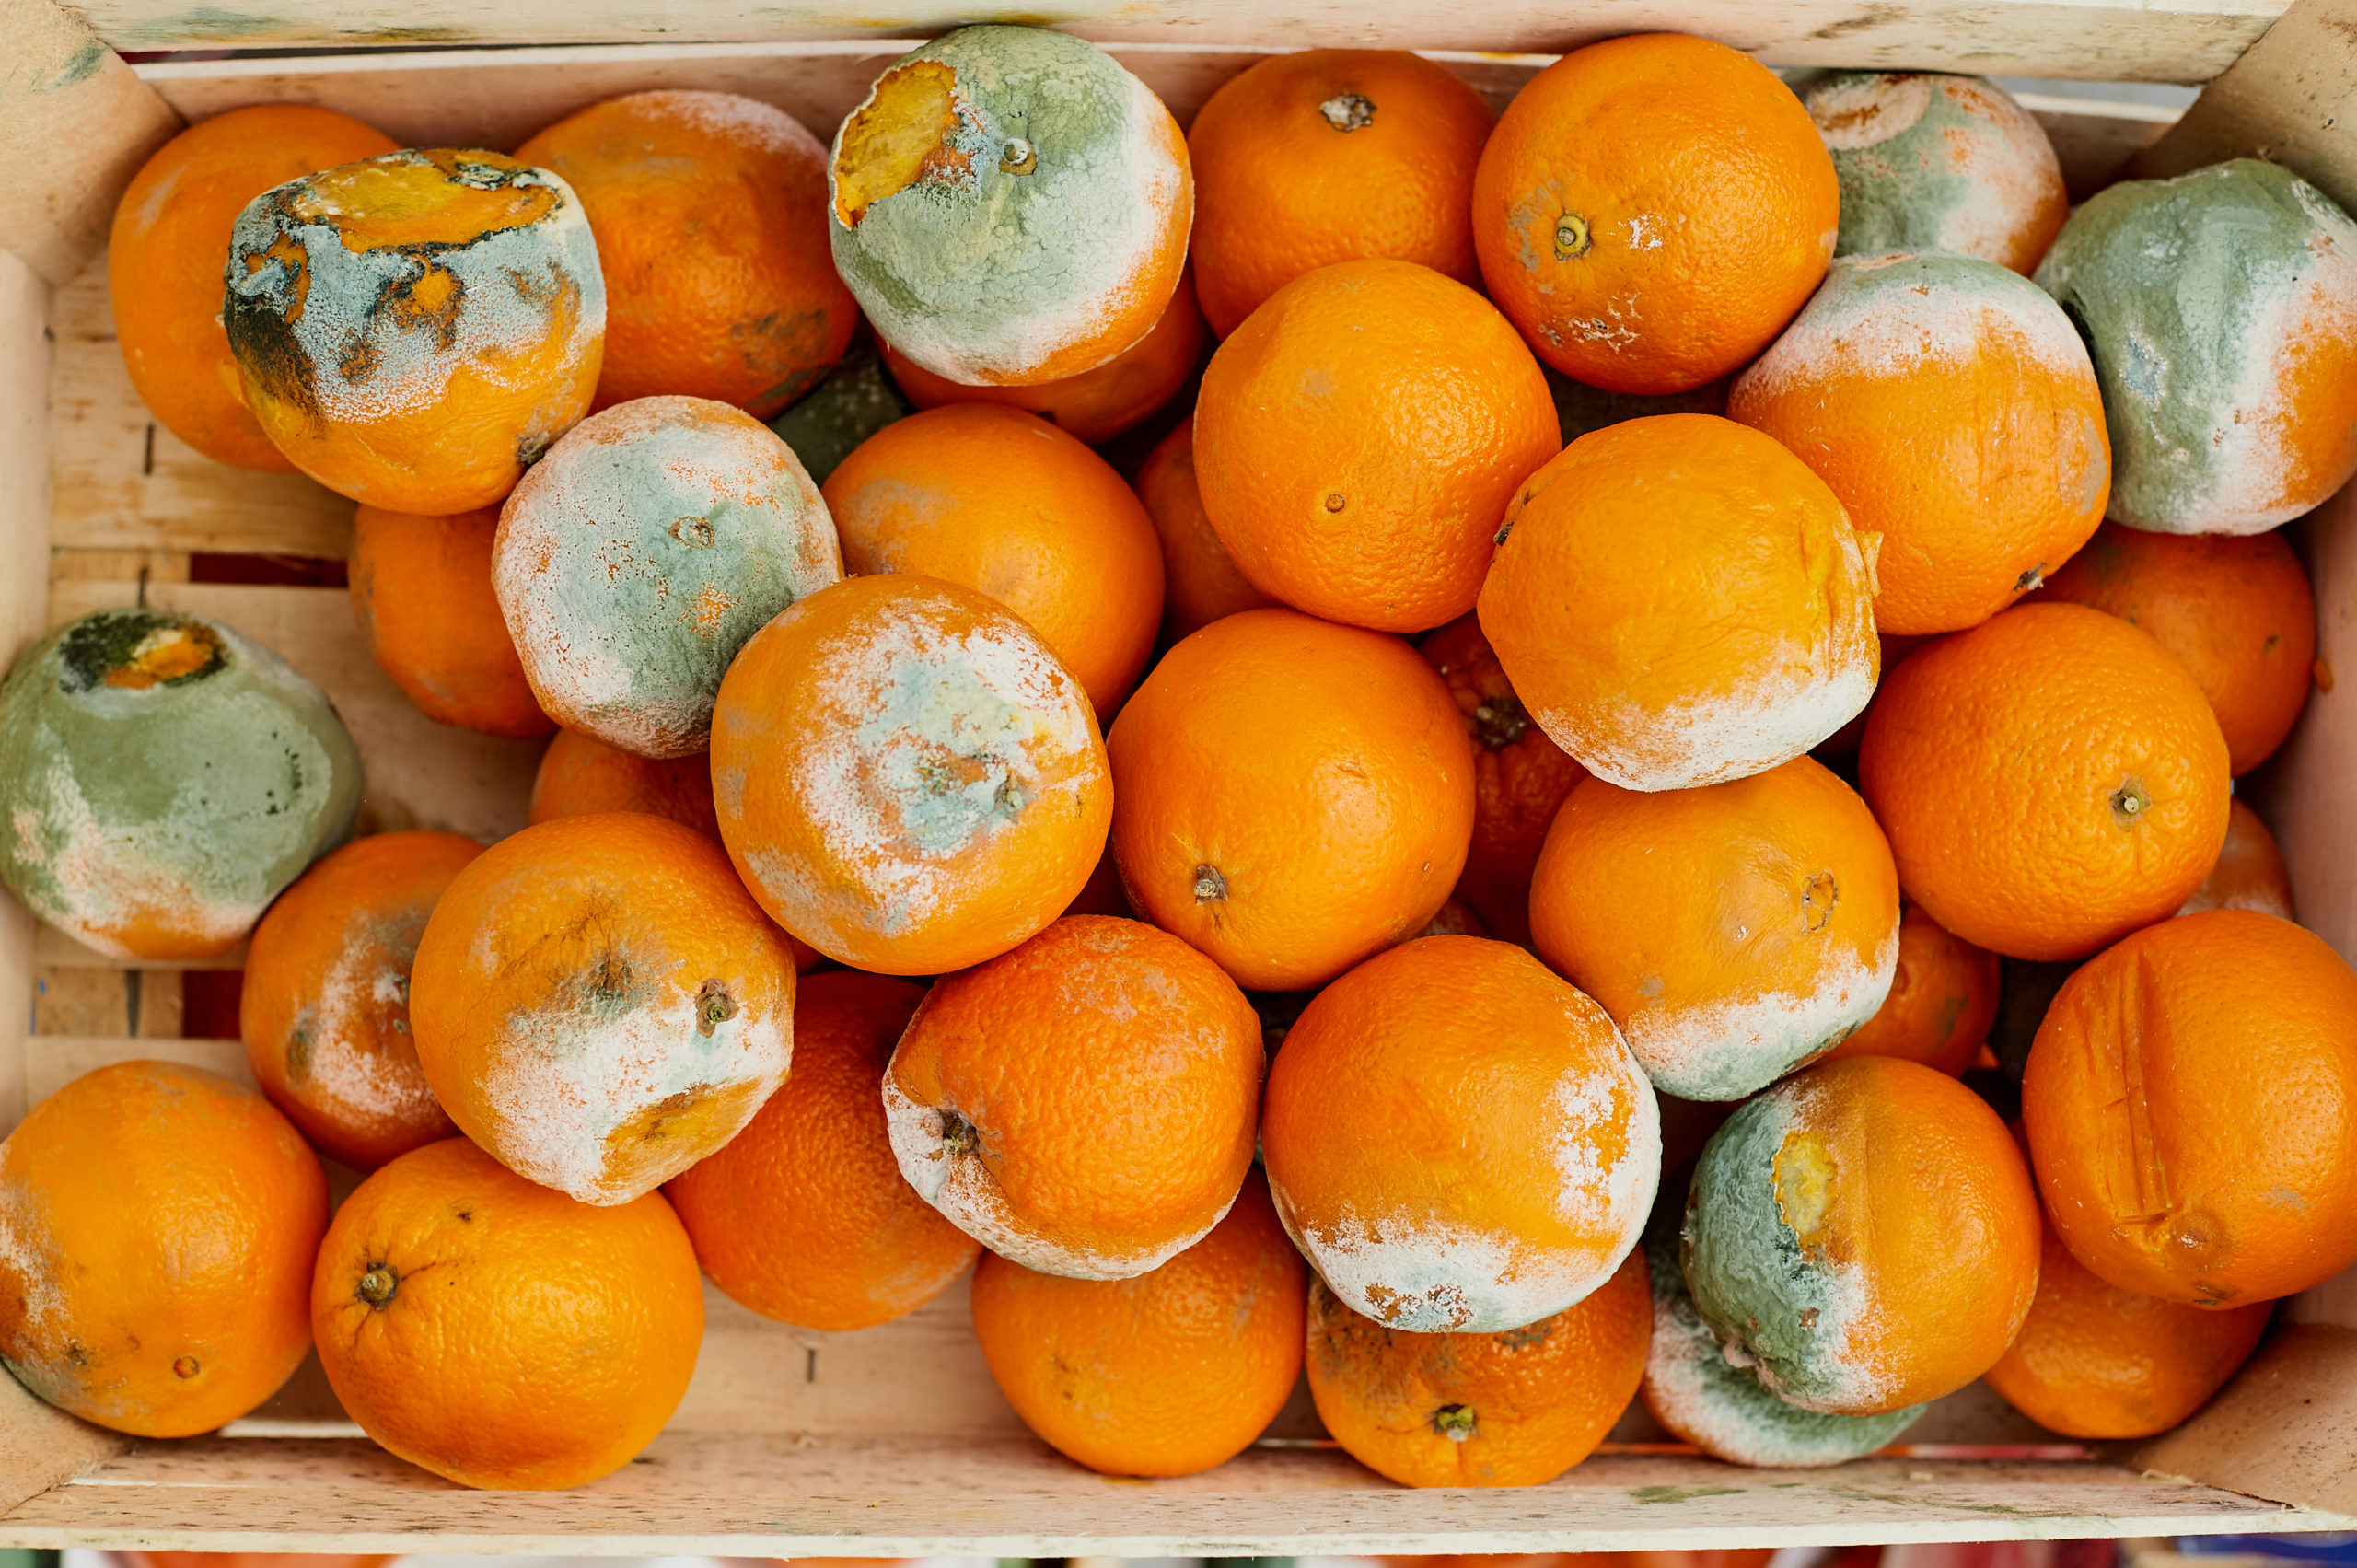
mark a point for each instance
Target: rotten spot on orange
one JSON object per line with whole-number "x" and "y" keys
{"x": 901, "y": 135}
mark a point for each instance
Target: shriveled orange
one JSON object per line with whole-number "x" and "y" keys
{"x": 156, "y": 1229}
{"x": 2190, "y": 1102}
{"x": 1357, "y": 439}
{"x": 2237, "y": 612}
{"x": 599, "y": 1004}
{"x": 1941, "y": 1005}
{"x": 580, "y": 774}
{"x": 1651, "y": 210}
{"x": 1199, "y": 581}
{"x": 324, "y": 1007}
{"x": 1003, "y": 502}
{"x": 1294, "y": 796}
{"x": 1511, "y": 1409}
{"x": 1095, "y": 405}
{"x": 1169, "y": 1373}
{"x": 171, "y": 229}
{"x": 1950, "y": 405}
{"x": 803, "y": 1216}
{"x": 1679, "y": 601}
{"x": 2250, "y": 873}
{"x": 906, "y": 777}
{"x": 1327, "y": 155}
{"x": 1749, "y": 928}
{"x": 421, "y": 589}
{"x": 1084, "y": 1105}
{"x": 1458, "y": 1139}
{"x": 2094, "y": 1361}
{"x": 2050, "y": 781}
{"x": 710, "y": 213}
{"x": 499, "y": 1333}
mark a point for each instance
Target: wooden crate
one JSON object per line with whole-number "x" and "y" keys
{"x": 893, "y": 1441}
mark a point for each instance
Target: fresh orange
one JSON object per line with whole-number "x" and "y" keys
{"x": 1169, "y": 1373}
{"x": 2250, "y": 873}
{"x": 1004, "y": 503}
{"x": 1095, "y": 405}
{"x": 421, "y": 589}
{"x": 1516, "y": 1408}
{"x": 501, "y": 1334}
{"x": 1332, "y": 155}
{"x": 1952, "y": 407}
{"x": 1084, "y": 1105}
{"x": 156, "y": 1229}
{"x": 1294, "y": 796}
{"x": 1678, "y": 600}
{"x": 1651, "y": 210}
{"x": 1357, "y": 439}
{"x": 710, "y": 213}
{"x": 250, "y": 1560}
{"x": 599, "y": 1004}
{"x": 325, "y": 1004}
{"x": 171, "y": 230}
{"x": 803, "y": 1216}
{"x": 1458, "y": 1139}
{"x": 2237, "y": 612}
{"x": 906, "y": 777}
{"x": 2050, "y": 781}
{"x": 579, "y": 774}
{"x": 419, "y": 386}
{"x": 1940, "y": 1004}
{"x": 1010, "y": 205}
{"x": 1864, "y": 1234}
{"x": 2191, "y": 1107}
{"x": 1200, "y": 581}
{"x": 2097, "y": 1361}
{"x": 1751, "y": 926}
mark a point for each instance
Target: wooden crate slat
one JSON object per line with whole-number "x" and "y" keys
{"x": 51, "y": 1061}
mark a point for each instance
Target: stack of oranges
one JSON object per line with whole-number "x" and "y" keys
{"x": 925, "y": 852}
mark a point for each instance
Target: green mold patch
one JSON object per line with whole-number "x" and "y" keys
{"x": 1936, "y": 162}
{"x": 1681, "y": 1493}
{"x": 136, "y": 650}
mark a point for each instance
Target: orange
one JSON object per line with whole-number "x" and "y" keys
{"x": 1358, "y": 437}
{"x": 1003, "y": 502}
{"x": 1678, "y": 600}
{"x": 1864, "y": 1234}
{"x": 2096, "y": 1361}
{"x": 1084, "y": 1105}
{"x": 421, "y": 589}
{"x": 1651, "y": 210}
{"x": 579, "y": 774}
{"x": 2050, "y": 781}
{"x": 599, "y": 1004}
{"x": 418, "y": 386}
{"x": 1169, "y": 1373}
{"x": 1941, "y": 1005}
{"x": 2191, "y": 1107}
{"x": 1513, "y": 1409}
{"x": 1327, "y": 155}
{"x": 501, "y": 1334}
{"x": 1294, "y": 796}
{"x": 1010, "y": 205}
{"x": 710, "y": 213}
{"x": 1458, "y": 1139}
{"x": 171, "y": 228}
{"x": 1750, "y": 925}
{"x": 156, "y": 1229}
{"x": 803, "y": 1216}
{"x": 251, "y": 1560}
{"x": 325, "y": 1004}
{"x": 2250, "y": 873}
{"x": 906, "y": 777}
{"x": 2239, "y": 614}
{"x": 1199, "y": 581}
{"x": 1095, "y": 405}
{"x": 1952, "y": 407}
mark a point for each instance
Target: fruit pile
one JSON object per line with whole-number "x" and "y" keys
{"x": 1503, "y": 926}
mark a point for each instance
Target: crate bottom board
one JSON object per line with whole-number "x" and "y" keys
{"x": 738, "y": 1496}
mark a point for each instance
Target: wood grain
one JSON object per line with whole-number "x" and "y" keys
{"x": 24, "y": 365}
{"x": 2282, "y": 1429}
{"x": 2286, "y": 99}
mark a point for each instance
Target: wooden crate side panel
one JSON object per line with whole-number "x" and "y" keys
{"x": 2287, "y": 99}
{"x": 2282, "y": 1429}
{"x": 23, "y": 579}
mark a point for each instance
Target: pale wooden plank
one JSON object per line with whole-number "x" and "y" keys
{"x": 2109, "y": 40}
{"x": 2287, "y": 99}
{"x": 784, "y": 1496}
{"x": 2303, "y": 792}
{"x": 2096, "y": 137}
{"x": 2281, "y": 1429}
{"x": 51, "y": 1061}
{"x": 420, "y": 775}
{"x": 25, "y": 302}
{"x": 133, "y": 1002}
{"x": 41, "y": 1447}
{"x": 54, "y": 949}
